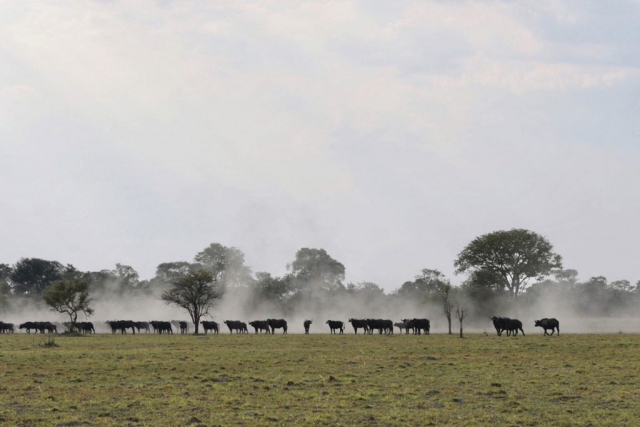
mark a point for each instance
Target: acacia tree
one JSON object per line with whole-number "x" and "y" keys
{"x": 197, "y": 293}
{"x": 69, "y": 296}
{"x": 513, "y": 257}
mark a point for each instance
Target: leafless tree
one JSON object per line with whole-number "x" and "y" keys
{"x": 444, "y": 289}
{"x": 460, "y": 314}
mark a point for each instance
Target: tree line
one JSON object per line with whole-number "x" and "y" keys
{"x": 500, "y": 270}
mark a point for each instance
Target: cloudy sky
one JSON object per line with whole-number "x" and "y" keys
{"x": 388, "y": 133}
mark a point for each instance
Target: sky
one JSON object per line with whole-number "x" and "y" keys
{"x": 388, "y": 133}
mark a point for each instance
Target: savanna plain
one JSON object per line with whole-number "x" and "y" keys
{"x": 320, "y": 380}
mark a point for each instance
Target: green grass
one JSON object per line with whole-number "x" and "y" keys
{"x": 320, "y": 380}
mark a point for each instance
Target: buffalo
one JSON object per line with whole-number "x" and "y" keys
{"x": 545, "y": 324}
{"x": 335, "y": 325}
{"x": 260, "y": 326}
{"x": 161, "y": 327}
{"x": 121, "y": 325}
{"x": 85, "y": 327}
{"x": 359, "y": 323}
{"x": 142, "y": 325}
{"x": 421, "y": 325}
{"x": 307, "y": 325}
{"x": 28, "y": 326}
{"x": 7, "y": 328}
{"x": 209, "y": 326}
{"x": 401, "y": 325}
{"x": 512, "y": 326}
{"x": 409, "y": 326}
{"x": 381, "y": 325}
{"x": 277, "y": 324}
{"x": 235, "y": 325}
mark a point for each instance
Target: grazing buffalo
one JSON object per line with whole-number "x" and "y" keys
{"x": 420, "y": 325}
{"x": 335, "y": 325}
{"x": 209, "y": 326}
{"x": 235, "y": 325}
{"x": 307, "y": 325}
{"x": 260, "y": 326}
{"x": 142, "y": 325}
{"x": 512, "y": 326}
{"x": 277, "y": 324}
{"x": 29, "y": 326}
{"x": 545, "y": 324}
{"x": 359, "y": 323}
{"x": 7, "y": 328}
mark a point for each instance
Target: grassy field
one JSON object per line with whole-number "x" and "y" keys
{"x": 323, "y": 380}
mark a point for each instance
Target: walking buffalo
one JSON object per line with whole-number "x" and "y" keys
{"x": 7, "y": 328}
{"x": 545, "y": 324}
{"x": 307, "y": 325}
{"x": 260, "y": 326}
{"x": 209, "y": 326}
{"x": 142, "y": 325}
{"x": 277, "y": 324}
{"x": 512, "y": 326}
{"x": 336, "y": 325}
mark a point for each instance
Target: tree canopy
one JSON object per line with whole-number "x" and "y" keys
{"x": 314, "y": 269}
{"x": 511, "y": 257}
{"x": 69, "y": 296}
{"x": 31, "y": 276}
{"x": 197, "y": 293}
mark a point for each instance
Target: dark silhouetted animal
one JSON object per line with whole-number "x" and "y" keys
{"x": 235, "y": 325}
{"x": 381, "y": 325}
{"x": 420, "y": 325}
{"x": 161, "y": 327}
{"x": 410, "y": 326}
{"x": 29, "y": 326}
{"x": 512, "y": 326}
{"x": 277, "y": 324}
{"x": 209, "y": 326}
{"x": 336, "y": 325}
{"x": 85, "y": 327}
{"x": 359, "y": 323}
{"x": 260, "y": 326}
{"x": 307, "y": 325}
{"x": 121, "y": 325}
{"x": 545, "y": 324}
{"x": 7, "y": 328}
{"x": 143, "y": 325}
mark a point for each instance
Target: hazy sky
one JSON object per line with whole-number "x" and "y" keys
{"x": 390, "y": 133}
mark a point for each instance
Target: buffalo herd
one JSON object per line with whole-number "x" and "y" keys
{"x": 269, "y": 326}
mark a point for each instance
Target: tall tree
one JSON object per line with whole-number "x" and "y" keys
{"x": 226, "y": 264}
{"x": 31, "y": 276}
{"x": 445, "y": 292}
{"x": 170, "y": 272}
{"x": 271, "y": 289}
{"x": 314, "y": 269}
{"x": 197, "y": 293}
{"x": 514, "y": 257}
{"x": 69, "y": 296}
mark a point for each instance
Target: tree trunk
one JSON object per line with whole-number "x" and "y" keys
{"x": 461, "y": 330}
{"x": 449, "y": 320}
